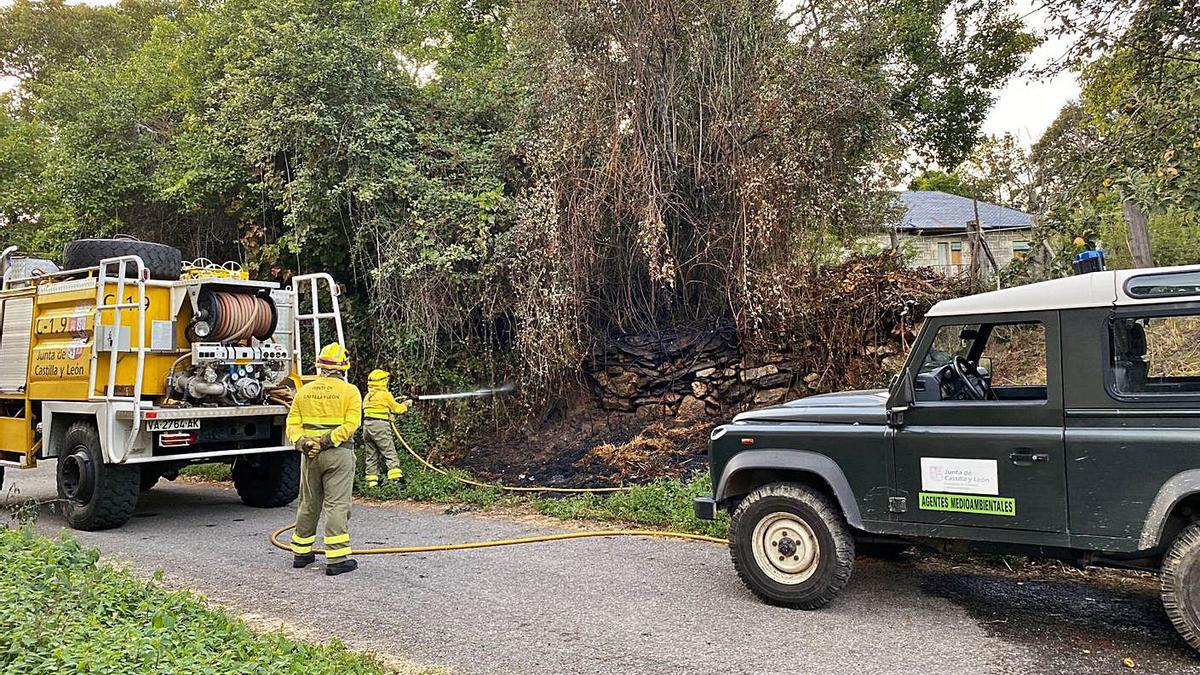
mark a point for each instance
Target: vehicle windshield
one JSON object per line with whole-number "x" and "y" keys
{"x": 949, "y": 342}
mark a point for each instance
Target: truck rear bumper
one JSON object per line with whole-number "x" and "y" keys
{"x": 705, "y": 508}
{"x": 215, "y": 454}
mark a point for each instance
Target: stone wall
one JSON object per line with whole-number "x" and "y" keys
{"x": 702, "y": 373}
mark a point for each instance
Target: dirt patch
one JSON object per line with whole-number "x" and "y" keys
{"x": 594, "y": 449}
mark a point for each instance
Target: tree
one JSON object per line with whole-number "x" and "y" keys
{"x": 952, "y": 56}
{"x": 935, "y": 180}
{"x": 996, "y": 171}
{"x": 503, "y": 186}
{"x": 1140, "y": 69}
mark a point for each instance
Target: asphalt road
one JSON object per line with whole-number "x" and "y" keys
{"x": 621, "y": 605}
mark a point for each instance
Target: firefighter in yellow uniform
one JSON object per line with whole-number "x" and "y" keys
{"x": 321, "y": 424}
{"x": 378, "y": 407}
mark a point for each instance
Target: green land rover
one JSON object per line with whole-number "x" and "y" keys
{"x": 1059, "y": 419}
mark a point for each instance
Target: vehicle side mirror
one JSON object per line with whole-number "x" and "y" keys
{"x": 985, "y": 365}
{"x": 900, "y": 398}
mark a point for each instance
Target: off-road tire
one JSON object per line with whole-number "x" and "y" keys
{"x": 114, "y": 492}
{"x": 163, "y": 262}
{"x": 268, "y": 480}
{"x": 835, "y": 557}
{"x": 1180, "y": 580}
{"x": 149, "y": 478}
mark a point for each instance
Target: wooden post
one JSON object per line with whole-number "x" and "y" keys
{"x": 1139, "y": 233}
{"x": 980, "y": 246}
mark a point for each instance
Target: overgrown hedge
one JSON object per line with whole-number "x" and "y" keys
{"x": 61, "y": 611}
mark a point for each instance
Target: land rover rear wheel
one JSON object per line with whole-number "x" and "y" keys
{"x": 1180, "y": 579}
{"x": 95, "y": 495}
{"x": 791, "y": 546}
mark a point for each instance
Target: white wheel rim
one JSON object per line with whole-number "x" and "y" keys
{"x": 785, "y": 548}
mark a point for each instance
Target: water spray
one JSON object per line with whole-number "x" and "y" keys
{"x": 484, "y": 392}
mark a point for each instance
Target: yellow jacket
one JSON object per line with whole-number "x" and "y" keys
{"x": 325, "y": 405}
{"x": 379, "y": 404}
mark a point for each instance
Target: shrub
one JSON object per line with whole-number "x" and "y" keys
{"x": 61, "y": 611}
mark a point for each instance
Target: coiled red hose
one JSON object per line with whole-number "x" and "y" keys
{"x": 240, "y": 316}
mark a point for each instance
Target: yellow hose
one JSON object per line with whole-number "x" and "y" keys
{"x": 430, "y": 548}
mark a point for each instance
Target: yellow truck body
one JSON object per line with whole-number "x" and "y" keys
{"x": 140, "y": 361}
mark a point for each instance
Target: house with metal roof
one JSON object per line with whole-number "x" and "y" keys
{"x": 936, "y": 231}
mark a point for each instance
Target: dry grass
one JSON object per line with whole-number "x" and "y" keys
{"x": 655, "y": 452}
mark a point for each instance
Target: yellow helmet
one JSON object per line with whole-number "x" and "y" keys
{"x": 333, "y": 357}
{"x": 378, "y": 376}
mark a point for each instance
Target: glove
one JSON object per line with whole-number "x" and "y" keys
{"x": 325, "y": 442}
{"x": 309, "y": 447}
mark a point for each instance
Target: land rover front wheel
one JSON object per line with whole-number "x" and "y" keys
{"x": 791, "y": 546}
{"x": 95, "y": 495}
{"x": 1180, "y": 579}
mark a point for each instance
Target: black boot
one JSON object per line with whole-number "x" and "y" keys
{"x": 348, "y": 565}
{"x": 303, "y": 560}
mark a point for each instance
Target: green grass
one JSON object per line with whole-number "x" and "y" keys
{"x": 217, "y": 471}
{"x": 62, "y": 611}
{"x": 665, "y": 504}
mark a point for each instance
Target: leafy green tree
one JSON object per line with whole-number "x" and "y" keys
{"x": 499, "y": 184}
{"x": 935, "y": 180}
{"x": 996, "y": 171}
{"x": 1138, "y": 115}
{"x": 951, "y": 55}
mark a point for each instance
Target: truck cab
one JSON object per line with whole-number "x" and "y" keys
{"x": 1058, "y": 419}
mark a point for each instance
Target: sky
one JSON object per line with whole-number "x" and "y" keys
{"x": 1025, "y": 107}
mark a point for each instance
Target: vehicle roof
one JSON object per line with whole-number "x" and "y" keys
{"x": 1096, "y": 289}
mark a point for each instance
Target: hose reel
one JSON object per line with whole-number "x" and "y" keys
{"x": 224, "y": 316}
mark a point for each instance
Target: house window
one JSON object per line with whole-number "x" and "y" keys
{"x": 1020, "y": 250}
{"x": 949, "y": 253}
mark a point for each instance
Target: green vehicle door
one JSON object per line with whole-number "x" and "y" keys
{"x": 987, "y": 452}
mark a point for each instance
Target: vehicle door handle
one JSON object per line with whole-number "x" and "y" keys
{"x": 1027, "y": 458}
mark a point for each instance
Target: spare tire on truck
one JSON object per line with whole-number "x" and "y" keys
{"x": 163, "y": 262}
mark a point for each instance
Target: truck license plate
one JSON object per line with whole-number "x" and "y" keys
{"x": 172, "y": 425}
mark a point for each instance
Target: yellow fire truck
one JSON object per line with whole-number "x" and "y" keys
{"x": 127, "y": 365}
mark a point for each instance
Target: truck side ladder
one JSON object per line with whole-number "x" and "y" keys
{"x": 107, "y": 337}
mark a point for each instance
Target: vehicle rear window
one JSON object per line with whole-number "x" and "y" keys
{"x": 1163, "y": 285}
{"x": 1158, "y": 355}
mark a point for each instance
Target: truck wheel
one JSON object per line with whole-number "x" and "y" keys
{"x": 1180, "y": 579}
{"x": 163, "y": 262}
{"x": 268, "y": 480}
{"x": 95, "y": 495}
{"x": 149, "y": 478}
{"x": 791, "y": 546}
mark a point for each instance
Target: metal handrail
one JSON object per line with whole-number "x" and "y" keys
{"x": 117, "y": 307}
